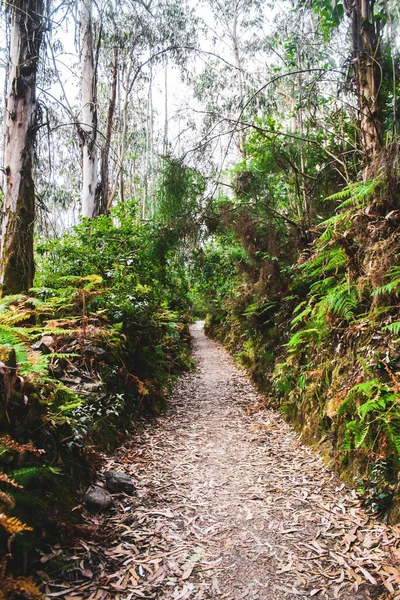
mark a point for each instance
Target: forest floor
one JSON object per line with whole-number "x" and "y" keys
{"x": 228, "y": 504}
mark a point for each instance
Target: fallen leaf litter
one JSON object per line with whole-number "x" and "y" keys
{"x": 228, "y": 504}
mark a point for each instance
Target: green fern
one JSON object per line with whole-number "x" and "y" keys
{"x": 356, "y": 194}
{"x": 360, "y": 432}
{"x": 10, "y": 339}
{"x": 301, "y": 337}
{"x": 323, "y": 285}
{"x": 369, "y": 389}
{"x": 391, "y": 427}
{"x": 328, "y": 260}
{"x": 378, "y": 407}
{"x": 23, "y": 476}
{"x": 8, "y": 300}
{"x": 393, "y": 327}
{"x": 340, "y": 301}
{"x": 393, "y": 286}
{"x": 379, "y": 403}
{"x": 301, "y": 316}
{"x": 332, "y": 224}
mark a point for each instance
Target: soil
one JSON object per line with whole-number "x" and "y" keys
{"x": 229, "y": 504}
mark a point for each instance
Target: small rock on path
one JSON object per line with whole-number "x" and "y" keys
{"x": 231, "y": 505}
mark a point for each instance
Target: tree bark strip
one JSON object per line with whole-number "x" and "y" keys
{"x": 101, "y": 204}
{"x": 21, "y": 119}
{"x": 366, "y": 64}
{"x": 87, "y": 129}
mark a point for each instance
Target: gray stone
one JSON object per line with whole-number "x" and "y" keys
{"x": 45, "y": 345}
{"x": 119, "y": 482}
{"x": 97, "y": 499}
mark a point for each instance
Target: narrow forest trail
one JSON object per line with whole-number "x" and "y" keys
{"x": 229, "y": 504}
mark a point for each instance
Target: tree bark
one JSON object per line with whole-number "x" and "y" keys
{"x": 20, "y": 126}
{"x": 101, "y": 205}
{"x": 87, "y": 129}
{"x": 366, "y": 62}
{"x": 122, "y": 141}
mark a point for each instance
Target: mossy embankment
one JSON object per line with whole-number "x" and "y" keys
{"x": 319, "y": 332}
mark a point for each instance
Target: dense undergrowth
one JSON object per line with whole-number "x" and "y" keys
{"x": 313, "y": 314}
{"x": 94, "y": 344}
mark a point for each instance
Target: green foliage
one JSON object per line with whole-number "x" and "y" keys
{"x": 375, "y": 404}
{"x": 179, "y": 198}
{"x": 331, "y": 13}
{"x": 10, "y": 338}
{"x": 97, "y": 339}
{"x": 340, "y": 301}
{"x": 393, "y": 327}
{"x": 393, "y": 286}
{"x": 357, "y": 194}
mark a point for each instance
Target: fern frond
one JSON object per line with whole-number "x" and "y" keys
{"x": 367, "y": 388}
{"x": 8, "y": 300}
{"x": 70, "y": 406}
{"x": 6, "y": 499}
{"x": 13, "y": 525}
{"x": 340, "y": 301}
{"x": 7, "y": 479}
{"x": 321, "y": 286}
{"x": 301, "y": 316}
{"x": 15, "y": 317}
{"x": 337, "y": 258}
{"x": 393, "y": 286}
{"x": 391, "y": 427}
{"x": 325, "y": 261}
{"x": 360, "y": 432}
{"x": 356, "y": 193}
{"x": 393, "y": 327}
{"x": 378, "y": 403}
{"x": 24, "y": 475}
{"x": 15, "y": 446}
{"x": 299, "y": 306}
{"x": 301, "y": 337}
{"x": 93, "y": 281}
{"x": 10, "y": 339}
{"x": 22, "y": 587}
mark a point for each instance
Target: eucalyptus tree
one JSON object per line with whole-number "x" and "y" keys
{"x": 87, "y": 124}
{"x": 236, "y": 34}
{"x": 366, "y": 34}
{"x": 368, "y": 20}
{"x": 145, "y": 36}
{"x": 21, "y": 121}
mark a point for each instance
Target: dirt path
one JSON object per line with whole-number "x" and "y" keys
{"x": 230, "y": 504}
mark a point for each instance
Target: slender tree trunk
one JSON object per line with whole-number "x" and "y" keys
{"x": 122, "y": 144}
{"x": 102, "y": 207}
{"x": 165, "y": 143}
{"x": 88, "y": 126}
{"x": 20, "y": 123}
{"x": 238, "y": 63}
{"x": 147, "y": 176}
{"x": 366, "y": 65}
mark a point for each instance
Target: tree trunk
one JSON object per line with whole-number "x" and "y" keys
{"x": 122, "y": 142}
{"x": 238, "y": 64}
{"x": 366, "y": 64}
{"x": 20, "y": 124}
{"x": 87, "y": 129}
{"x": 101, "y": 205}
